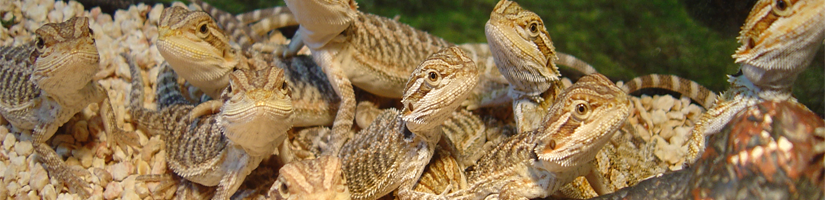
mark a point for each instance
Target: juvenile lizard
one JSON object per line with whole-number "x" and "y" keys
{"x": 779, "y": 39}
{"x": 221, "y": 149}
{"x": 197, "y": 49}
{"x": 313, "y": 100}
{"x": 535, "y": 164}
{"x": 408, "y": 137}
{"x": 46, "y": 82}
{"x": 319, "y": 178}
{"x": 525, "y": 55}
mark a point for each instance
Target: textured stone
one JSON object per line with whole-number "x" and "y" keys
{"x": 113, "y": 190}
{"x": 23, "y": 148}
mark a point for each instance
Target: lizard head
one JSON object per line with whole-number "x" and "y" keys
{"x": 518, "y": 38}
{"x": 436, "y": 88}
{"x": 257, "y": 109}
{"x": 320, "y": 178}
{"x": 581, "y": 121}
{"x": 322, "y": 20}
{"x": 66, "y": 57}
{"x": 779, "y": 40}
{"x": 196, "y": 48}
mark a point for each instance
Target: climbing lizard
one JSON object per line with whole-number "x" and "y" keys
{"x": 408, "y": 137}
{"x": 221, "y": 149}
{"x": 46, "y": 82}
{"x": 779, "y": 39}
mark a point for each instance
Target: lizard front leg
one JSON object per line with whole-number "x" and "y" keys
{"x": 57, "y": 168}
{"x": 343, "y": 88}
{"x": 236, "y": 173}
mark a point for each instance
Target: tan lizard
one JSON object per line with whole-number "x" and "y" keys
{"x": 197, "y": 49}
{"x": 221, "y": 149}
{"x": 319, "y": 178}
{"x": 313, "y": 100}
{"x": 525, "y": 55}
{"x": 46, "y": 82}
{"x": 779, "y": 39}
{"x": 408, "y": 137}
{"x": 535, "y": 164}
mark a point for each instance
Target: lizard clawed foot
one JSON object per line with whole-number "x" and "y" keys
{"x": 68, "y": 175}
{"x": 116, "y": 135}
{"x": 162, "y": 190}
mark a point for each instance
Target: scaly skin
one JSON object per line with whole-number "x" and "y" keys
{"x": 197, "y": 49}
{"x": 779, "y": 39}
{"x": 319, "y": 178}
{"x": 523, "y": 50}
{"x": 313, "y": 102}
{"x": 221, "y": 149}
{"x": 535, "y": 164}
{"x": 686, "y": 87}
{"x": 408, "y": 137}
{"x": 771, "y": 150}
{"x": 45, "y": 83}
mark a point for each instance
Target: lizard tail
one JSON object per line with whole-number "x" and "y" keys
{"x": 143, "y": 117}
{"x": 168, "y": 91}
{"x": 573, "y": 62}
{"x": 684, "y": 86}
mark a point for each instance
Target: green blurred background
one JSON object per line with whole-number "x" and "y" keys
{"x": 693, "y": 39}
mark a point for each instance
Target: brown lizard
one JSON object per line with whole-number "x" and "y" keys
{"x": 408, "y": 137}
{"x": 779, "y": 39}
{"x": 319, "y": 178}
{"x": 221, "y": 149}
{"x": 45, "y": 83}
{"x": 535, "y": 164}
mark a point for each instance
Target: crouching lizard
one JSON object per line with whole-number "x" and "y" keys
{"x": 45, "y": 83}
{"x": 535, "y": 164}
{"x": 221, "y": 149}
{"x": 391, "y": 153}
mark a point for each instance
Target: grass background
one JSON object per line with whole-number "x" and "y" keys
{"x": 693, "y": 39}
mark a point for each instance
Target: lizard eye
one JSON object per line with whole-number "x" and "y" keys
{"x": 433, "y": 78}
{"x": 40, "y": 44}
{"x": 283, "y": 190}
{"x": 534, "y": 28}
{"x": 780, "y": 7}
{"x": 203, "y": 30}
{"x": 581, "y": 110}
